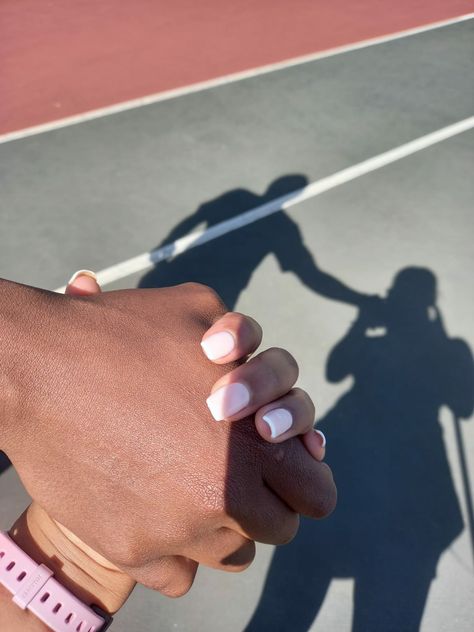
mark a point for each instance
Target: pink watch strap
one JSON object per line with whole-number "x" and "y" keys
{"x": 34, "y": 587}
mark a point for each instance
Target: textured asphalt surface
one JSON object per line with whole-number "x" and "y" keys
{"x": 98, "y": 193}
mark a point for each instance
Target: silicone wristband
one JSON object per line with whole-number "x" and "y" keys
{"x": 34, "y": 588}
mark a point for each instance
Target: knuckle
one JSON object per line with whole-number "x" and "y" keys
{"x": 272, "y": 377}
{"x": 248, "y": 324}
{"x": 238, "y": 320}
{"x": 307, "y": 402}
{"x": 279, "y": 452}
{"x": 177, "y": 588}
{"x": 299, "y": 392}
{"x": 243, "y": 326}
{"x": 238, "y": 324}
{"x": 194, "y": 286}
{"x": 284, "y": 358}
{"x": 209, "y": 296}
{"x": 174, "y": 586}
{"x": 169, "y": 576}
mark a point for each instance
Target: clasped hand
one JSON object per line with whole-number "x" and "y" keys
{"x": 125, "y": 454}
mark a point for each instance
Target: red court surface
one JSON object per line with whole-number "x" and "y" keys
{"x": 61, "y": 59}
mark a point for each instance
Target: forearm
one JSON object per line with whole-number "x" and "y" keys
{"x": 324, "y": 283}
{"x": 330, "y": 287}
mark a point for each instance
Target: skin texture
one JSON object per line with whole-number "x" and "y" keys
{"x": 277, "y": 367}
{"x": 157, "y": 484}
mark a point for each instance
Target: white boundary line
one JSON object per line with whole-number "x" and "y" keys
{"x": 220, "y": 81}
{"x": 148, "y": 259}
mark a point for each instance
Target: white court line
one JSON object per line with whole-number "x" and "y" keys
{"x": 223, "y": 80}
{"x": 148, "y": 259}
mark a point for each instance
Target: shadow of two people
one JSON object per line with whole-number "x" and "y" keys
{"x": 398, "y": 509}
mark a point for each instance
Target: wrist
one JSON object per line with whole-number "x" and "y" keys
{"x": 89, "y": 576}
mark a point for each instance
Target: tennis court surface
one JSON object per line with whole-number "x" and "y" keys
{"x": 248, "y": 146}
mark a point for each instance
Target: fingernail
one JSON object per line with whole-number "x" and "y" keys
{"x": 218, "y": 345}
{"x": 322, "y": 438}
{"x": 279, "y": 420}
{"x": 79, "y": 273}
{"x": 228, "y": 400}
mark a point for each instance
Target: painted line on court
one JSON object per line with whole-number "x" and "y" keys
{"x": 148, "y": 259}
{"x": 223, "y": 80}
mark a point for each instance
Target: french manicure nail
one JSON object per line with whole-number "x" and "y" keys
{"x": 218, "y": 345}
{"x": 322, "y": 438}
{"x": 79, "y": 273}
{"x": 279, "y": 420}
{"x": 228, "y": 400}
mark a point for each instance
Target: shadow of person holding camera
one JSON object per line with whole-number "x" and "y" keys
{"x": 397, "y": 509}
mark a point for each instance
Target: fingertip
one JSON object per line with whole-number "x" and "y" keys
{"x": 322, "y": 437}
{"x": 315, "y": 443}
{"x": 232, "y": 337}
{"x": 82, "y": 273}
{"x": 279, "y": 421}
{"x": 218, "y": 346}
{"x": 83, "y": 283}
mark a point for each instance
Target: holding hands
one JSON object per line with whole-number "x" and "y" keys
{"x": 262, "y": 387}
{"x": 131, "y": 478}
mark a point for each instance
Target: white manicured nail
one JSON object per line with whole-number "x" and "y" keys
{"x": 323, "y": 438}
{"x": 218, "y": 345}
{"x": 279, "y": 420}
{"x": 228, "y": 400}
{"x": 79, "y": 273}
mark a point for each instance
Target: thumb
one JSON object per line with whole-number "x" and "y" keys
{"x": 83, "y": 283}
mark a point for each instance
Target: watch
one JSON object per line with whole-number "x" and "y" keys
{"x": 34, "y": 588}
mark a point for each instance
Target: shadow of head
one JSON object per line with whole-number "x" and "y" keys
{"x": 240, "y": 200}
{"x": 412, "y": 297}
{"x": 285, "y": 184}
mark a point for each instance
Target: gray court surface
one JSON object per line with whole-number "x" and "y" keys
{"x": 98, "y": 193}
